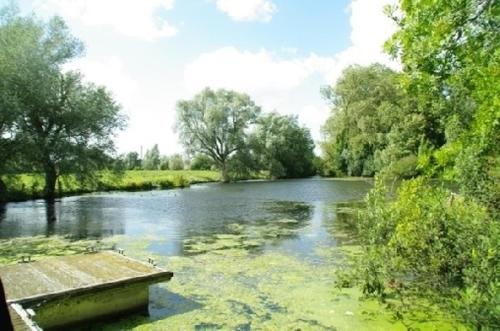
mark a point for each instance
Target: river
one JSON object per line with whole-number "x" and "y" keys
{"x": 246, "y": 256}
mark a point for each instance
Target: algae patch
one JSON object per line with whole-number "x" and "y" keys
{"x": 236, "y": 289}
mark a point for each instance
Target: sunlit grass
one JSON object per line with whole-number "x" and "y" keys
{"x": 29, "y": 186}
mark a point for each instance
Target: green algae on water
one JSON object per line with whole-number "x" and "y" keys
{"x": 235, "y": 289}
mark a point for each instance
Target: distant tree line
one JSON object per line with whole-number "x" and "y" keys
{"x": 153, "y": 160}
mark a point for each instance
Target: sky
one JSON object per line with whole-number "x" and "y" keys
{"x": 152, "y": 53}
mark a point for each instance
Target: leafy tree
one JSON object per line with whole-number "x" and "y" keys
{"x": 164, "y": 162}
{"x": 132, "y": 161}
{"x": 201, "y": 162}
{"x": 214, "y": 123}
{"x": 453, "y": 74}
{"x": 175, "y": 162}
{"x": 10, "y": 51}
{"x": 64, "y": 125}
{"x": 152, "y": 159}
{"x": 284, "y": 148}
{"x": 429, "y": 242}
{"x": 362, "y": 134}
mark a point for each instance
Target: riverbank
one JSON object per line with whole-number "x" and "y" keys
{"x": 30, "y": 186}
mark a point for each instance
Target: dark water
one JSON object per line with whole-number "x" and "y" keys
{"x": 177, "y": 215}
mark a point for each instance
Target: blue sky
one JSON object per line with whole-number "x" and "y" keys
{"x": 151, "y": 53}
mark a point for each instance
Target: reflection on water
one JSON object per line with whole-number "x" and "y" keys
{"x": 50, "y": 211}
{"x": 289, "y": 211}
{"x": 3, "y": 211}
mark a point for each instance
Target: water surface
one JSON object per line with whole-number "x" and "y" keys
{"x": 177, "y": 215}
{"x": 246, "y": 256}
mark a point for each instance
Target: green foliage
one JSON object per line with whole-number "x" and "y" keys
{"x": 451, "y": 54}
{"x": 180, "y": 181}
{"x": 175, "y": 162}
{"x": 283, "y": 148}
{"x": 244, "y": 163}
{"x": 131, "y": 161}
{"x": 365, "y": 132}
{"x": 405, "y": 167}
{"x": 432, "y": 243}
{"x": 23, "y": 187}
{"x": 151, "y": 159}
{"x": 214, "y": 123}
{"x": 201, "y": 162}
{"x": 60, "y": 124}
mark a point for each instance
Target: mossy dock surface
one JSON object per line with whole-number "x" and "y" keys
{"x": 94, "y": 285}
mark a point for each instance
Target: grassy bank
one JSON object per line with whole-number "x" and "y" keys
{"x": 30, "y": 186}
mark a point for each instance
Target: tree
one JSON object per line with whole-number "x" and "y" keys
{"x": 64, "y": 125}
{"x": 428, "y": 241}
{"x": 214, "y": 123}
{"x": 152, "y": 159}
{"x": 175, "y": 162}
{"x": 201, "y": 162}
{"x": 368, "y": 105}
{"x": 132, "y": 161}
{"x": 12, "y": 29}
{"x": 164, "y": 160}
{"x": 453, "y": 75}
{"x": 285, "y": 149}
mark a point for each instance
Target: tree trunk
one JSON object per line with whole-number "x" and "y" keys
{"x": 50, "y": 182}
{"x": 223, "y": 173}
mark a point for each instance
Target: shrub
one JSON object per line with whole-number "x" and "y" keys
{"x": 435, "y": 244}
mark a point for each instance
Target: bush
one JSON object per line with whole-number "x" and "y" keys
{"x": 435, "y": 244}
{"x": 201, "y": 162}
{"x": 406, "y": 167}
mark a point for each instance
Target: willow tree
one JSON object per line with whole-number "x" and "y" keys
{"x": 9, "y": 52}
{"x": 284, "y": 148}
{"x": 63, "y": 125}
{"x": 214, "y": 123}
{"x": 361, "y": 135}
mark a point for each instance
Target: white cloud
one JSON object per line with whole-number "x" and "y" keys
{"x": 261, "y": 71}
{"x": 133, "y": 18}
{"x": 250, "y": 72}
{"x": 370, "y": 29}
{"x": 247, "y": 10}
{"x": 147, "y": 104}
{"x": 111, "y": 73}
{"x": 313, "y": 117}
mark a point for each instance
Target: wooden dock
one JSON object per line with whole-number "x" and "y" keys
{"x": 60, "y": 291}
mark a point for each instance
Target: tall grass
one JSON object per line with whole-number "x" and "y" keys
{"x": 30, "y": 186}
